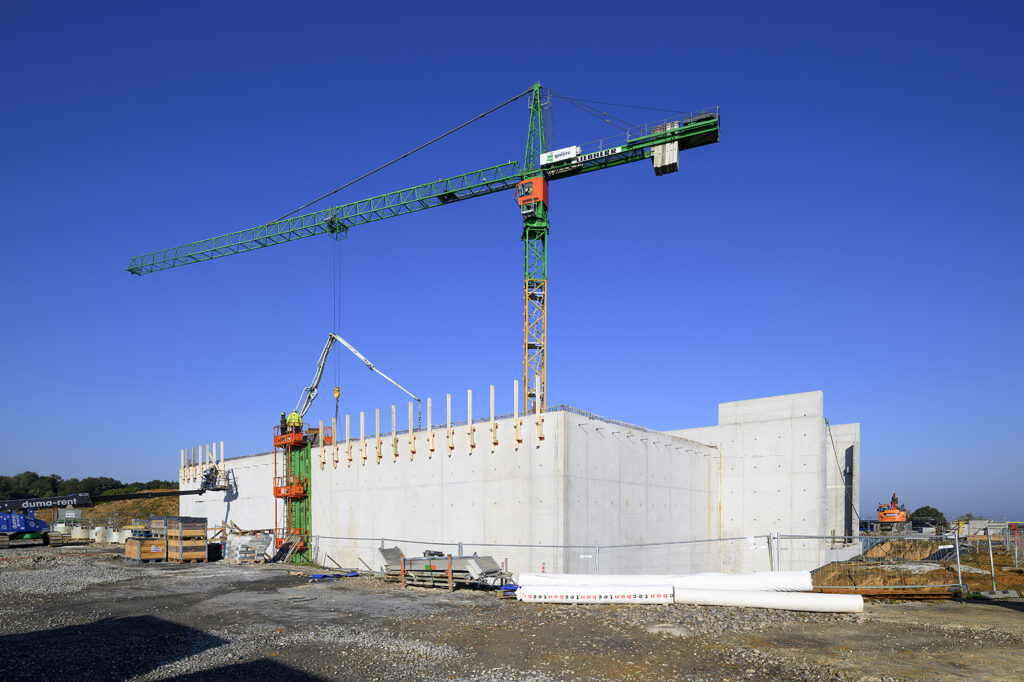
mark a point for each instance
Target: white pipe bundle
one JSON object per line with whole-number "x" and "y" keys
{"x": 765, "y": 581}
{"x": 789, "y": 601}
{"x": 788, "y": 590}
{"x": 597, "y": 594}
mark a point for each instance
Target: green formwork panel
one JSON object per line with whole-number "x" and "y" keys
{"x": 300, "y": 510}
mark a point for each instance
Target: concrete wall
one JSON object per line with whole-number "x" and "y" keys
{"x": 631, "y": 486}
{"x": 842, "y": 455}
{"x": 779, "y": 472}
{"x": 250, "y": 504}
{"x": 509, "y": 493}
{"x": 588, "y": 482}
{"x": 767, "y": 467}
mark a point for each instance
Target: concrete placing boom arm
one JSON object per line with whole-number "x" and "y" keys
{"x": 310, "y": 392}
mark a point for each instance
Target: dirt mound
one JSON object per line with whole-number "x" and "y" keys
{"x": 906, "y": 550}
{"x": 126, "y": 510}
{"x": 875, "y": 574}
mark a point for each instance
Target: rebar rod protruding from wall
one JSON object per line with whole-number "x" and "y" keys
{"x": 362, "y": 436}
{"x": 348, "y": 443}
{"x": 494, "y": 424}
{"x": 516, "y": 420}
{"x": 448, "y": 426}
{"x": 430, "y": 431}
{"x": 412, "y": 435}
{"x": 334, "y": 442}
{"x": 470, "y": 429}
{"x": 377, "y": 446}
{"x": 394, "y": 436}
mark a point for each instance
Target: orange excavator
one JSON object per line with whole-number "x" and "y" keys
{"x": 892, "y": 515}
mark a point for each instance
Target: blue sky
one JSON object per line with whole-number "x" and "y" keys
{"x": 857, "y": 229}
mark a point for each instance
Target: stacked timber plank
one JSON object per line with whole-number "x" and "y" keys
{"x": 186, "y": 539}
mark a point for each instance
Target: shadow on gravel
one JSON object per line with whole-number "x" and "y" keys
{"x": 253, "y": 670}
{"x": 113, "y": 648}
{"x": 1015, "y": 605}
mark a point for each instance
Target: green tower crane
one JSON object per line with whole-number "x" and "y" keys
{"x": 660, "y": 142}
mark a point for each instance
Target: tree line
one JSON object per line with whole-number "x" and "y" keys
{"x": 31, "y": 484}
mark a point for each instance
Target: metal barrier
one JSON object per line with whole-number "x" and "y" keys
{"x": 882, "y": 563}
{"x": 837, "y": 563}
{"x": 683, "y": 556}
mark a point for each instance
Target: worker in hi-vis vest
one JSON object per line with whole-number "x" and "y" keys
{"x": 295, "y": 422}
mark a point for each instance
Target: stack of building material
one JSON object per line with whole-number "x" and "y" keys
{"x": 247, "y": 548}
{"x": 158, "y": 526}
{"x": 143, "y": 547}
{"x": 186, "y": 539}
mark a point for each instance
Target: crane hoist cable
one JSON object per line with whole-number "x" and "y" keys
{"x": 408, "y": 153}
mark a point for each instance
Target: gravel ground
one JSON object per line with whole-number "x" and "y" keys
{"x": 83, "y": 613}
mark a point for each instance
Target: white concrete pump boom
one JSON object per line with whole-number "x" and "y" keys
{"x": 310, "y": 392}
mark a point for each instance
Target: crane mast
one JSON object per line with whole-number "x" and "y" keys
{"x": 532, "y": 197}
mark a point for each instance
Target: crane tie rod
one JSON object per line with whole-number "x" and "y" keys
{"x": 408, "y": 153}
{"x": 603, "y": 115}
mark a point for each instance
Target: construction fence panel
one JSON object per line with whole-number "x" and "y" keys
{"x": 883, "y": 563}
{"x": 353, "y": 553}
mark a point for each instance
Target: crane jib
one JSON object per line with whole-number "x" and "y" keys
{"x": 695, "y": 131}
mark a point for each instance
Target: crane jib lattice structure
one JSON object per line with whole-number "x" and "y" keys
{"x": 659, "y": 142}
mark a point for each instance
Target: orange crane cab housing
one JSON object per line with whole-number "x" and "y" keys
{"x": 532, "y": 191}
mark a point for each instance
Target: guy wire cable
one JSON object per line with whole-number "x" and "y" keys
{"x": 408, "y": 153}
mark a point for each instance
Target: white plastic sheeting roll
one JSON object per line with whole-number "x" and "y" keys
{"x": 788, "y": 601}
{"x": 766, "y": 581}
{"x": 597, "y": 594}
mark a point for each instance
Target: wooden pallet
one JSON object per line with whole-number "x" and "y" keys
{"x": 187, "y": 561}
{"x": 143, "y": 561}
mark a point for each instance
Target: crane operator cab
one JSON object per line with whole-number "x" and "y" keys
{"x": 530, "y": 194}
